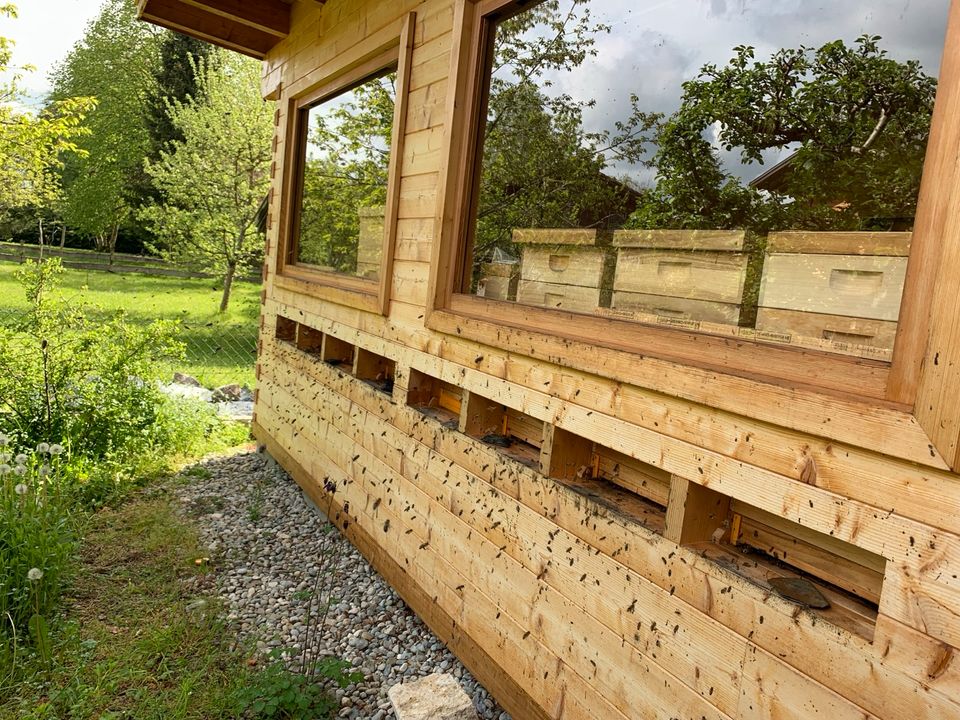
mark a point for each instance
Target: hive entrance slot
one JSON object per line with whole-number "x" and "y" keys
{"x": 434, "y": 397}
{"x": 511, "y": 432}
{"x": 765, "y": 547}
{"x": 337, "y": 352}
{"x": 308, "y": 339}
{"x": 624, "y": 485}
{"x": 286, "y": 329}
{"x": 375, "y": 370}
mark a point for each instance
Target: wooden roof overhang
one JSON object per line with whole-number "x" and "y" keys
{"x": 251, "y": 27}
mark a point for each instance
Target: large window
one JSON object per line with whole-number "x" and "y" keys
{"x": 345, "y": 160}
{"x": 342, "y": 176}
{"x": 745, "y": 170}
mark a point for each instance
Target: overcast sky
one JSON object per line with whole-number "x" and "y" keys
{"x": 45, "y": 31}
{"x": 655, "y": 45}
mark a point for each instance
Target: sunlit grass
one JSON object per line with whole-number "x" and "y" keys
{"x": 220, "y": 348}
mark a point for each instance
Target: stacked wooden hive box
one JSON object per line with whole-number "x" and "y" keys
{"x": 842, "y": 288}
{"x": 565, "y": 269}
{"x": 685, "y": 275}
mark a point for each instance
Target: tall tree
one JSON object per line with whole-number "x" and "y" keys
{"x": 116, "y": 62}
{"x": 175, "y": 80}
{"x": 213, "y": 180}
{"x": 32, "y": 145}
{"x": 856, "y": 120}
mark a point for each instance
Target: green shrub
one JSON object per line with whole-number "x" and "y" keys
{"x": 68, "y": 377}
{"x": 277, "y": 692}
{"x": 36, "y": 542}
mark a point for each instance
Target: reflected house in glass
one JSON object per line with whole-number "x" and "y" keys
{"x": 667, "y": 445}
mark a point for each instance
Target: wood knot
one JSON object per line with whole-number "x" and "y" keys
{"x": 808, "y": 473}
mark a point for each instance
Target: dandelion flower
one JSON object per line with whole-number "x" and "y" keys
{"x": 4, "y": 439}
{"x": 43, "y": 447}
{"x": 56, "y": 449}
{"x": 44, "y": 470}
{"x": 21, "y": 459}
{"x": 20, "y": 489}
{"x": 34, "y": 574}
{"x": 20, "y": 470}
{"x": 5, "y": 469}
{"x": 5, "y": 457}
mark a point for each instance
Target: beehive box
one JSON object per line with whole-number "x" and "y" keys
{"x": 498, "y": 281}
{"x": 844, "y": 287}
{"x": 564, "y": 269}
{"x": 370, "y": 241}
{"x": 681, "y": 274}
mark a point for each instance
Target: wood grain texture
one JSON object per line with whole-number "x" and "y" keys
{"x": 570, "y": 597}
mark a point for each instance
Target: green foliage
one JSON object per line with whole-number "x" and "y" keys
{"x": 36, "y": 542}
{"x": 346, "y": 170}
{"x": 175, "y": 81}
{"x": 857, "y": 119}
{"x": 114, "y": 62}
{"x": 213, "y": 181}
{"x": 276, "y": 692}
{"x": 65, "y": 377}
{"x": 32, "y": 146}
{"x": 220, "y": 347}
{"x": 135, "y": 643}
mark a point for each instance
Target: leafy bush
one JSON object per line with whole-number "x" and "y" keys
{"x": 36, "y": 542}
{"x": 67, "y": 376}
{"x": 277, "y": 692}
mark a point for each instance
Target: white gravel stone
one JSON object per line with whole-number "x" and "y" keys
{"x": 267, "y": 545}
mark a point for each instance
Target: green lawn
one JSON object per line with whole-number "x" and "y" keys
{"x": 220, "y": 348}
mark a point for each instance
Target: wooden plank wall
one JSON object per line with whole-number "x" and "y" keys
{"x": 562, "y": 606}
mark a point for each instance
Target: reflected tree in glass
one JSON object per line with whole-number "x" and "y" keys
{"x": 345, "y": 179}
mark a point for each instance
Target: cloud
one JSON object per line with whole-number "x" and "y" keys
{"x": 655, "y": 45}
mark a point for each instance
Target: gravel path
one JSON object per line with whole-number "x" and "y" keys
{"x": 266, "y": 542}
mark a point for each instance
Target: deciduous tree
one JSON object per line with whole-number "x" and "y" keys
{"x": 115, "y": 62}
{"x": 213, "y": 180}
{"x": 32, "y": 145}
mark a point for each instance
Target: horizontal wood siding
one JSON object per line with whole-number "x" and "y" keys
{"x": 562, "y": 603}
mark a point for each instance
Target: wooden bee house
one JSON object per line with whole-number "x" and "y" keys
{"x": 605, "y": 517}
{"x": 683, "y": 274}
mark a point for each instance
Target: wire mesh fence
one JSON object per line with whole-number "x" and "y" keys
{"x": 215, "y": 352}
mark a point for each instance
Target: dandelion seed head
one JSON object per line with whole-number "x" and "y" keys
{"x": 5, "y": 457}
{"x": 21, "y": 459}
{"x": 56, "y": 449}
{"x": 43, "y": 447}
{"x": 44, "y": 470}
{"x": 20, "y": 489}
{"x": 34, "y": 574}
{"x": 4, "y": 439}
{"x": 5, "y": 469}
{"x": 20, "y": 470}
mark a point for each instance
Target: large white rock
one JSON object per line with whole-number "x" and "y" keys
{"x": 435, "y": 697}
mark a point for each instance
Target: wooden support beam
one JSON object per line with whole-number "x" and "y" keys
{"x": 269, "y": 16}
{"x": 201, "y": 23}
{"x": 695, "y": 512}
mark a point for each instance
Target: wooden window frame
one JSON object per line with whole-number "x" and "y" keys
{"x": 903, "y": 393}
{"x": 361, "y": 293}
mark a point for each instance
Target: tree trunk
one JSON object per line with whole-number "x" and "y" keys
{"x": 113, "y": 242}
{"x": 227, "y": 285}
{"x": 63, "y": 236}
{"x": 40, "y": 225}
